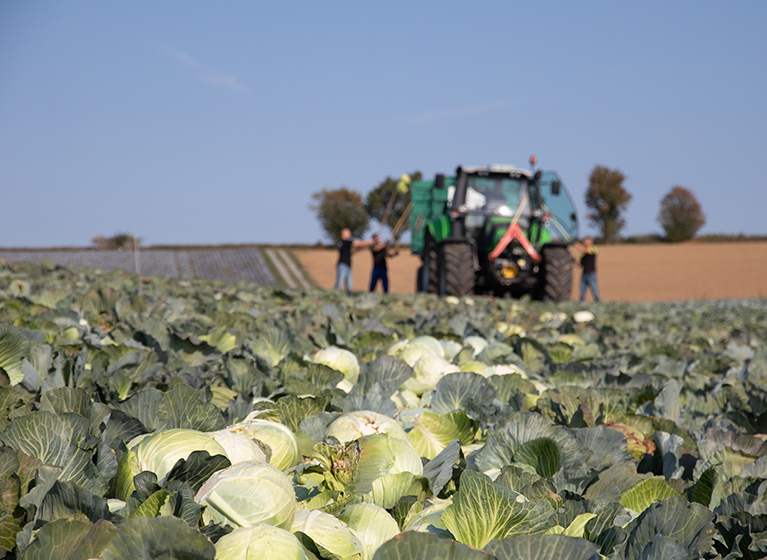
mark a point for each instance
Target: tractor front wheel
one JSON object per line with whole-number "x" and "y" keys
{"x": 458, "y": 268}
{"x": 557, "y": 277}
{"x": 430, "y": 266}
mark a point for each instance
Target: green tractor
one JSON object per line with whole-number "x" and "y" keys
{"x": 495, "y": 230}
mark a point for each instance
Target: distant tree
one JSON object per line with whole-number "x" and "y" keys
{"x": 378, "y": 199}
{"x": 607, "y": 200}
{"x": 680, "y": 214}
{"x": 340, "y": 208}
{"x": 117, "y": 241}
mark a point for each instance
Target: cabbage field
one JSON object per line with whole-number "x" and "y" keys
{"x": 149, "y": 417}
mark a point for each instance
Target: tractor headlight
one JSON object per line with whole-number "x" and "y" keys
{"x": 509, "y": 271}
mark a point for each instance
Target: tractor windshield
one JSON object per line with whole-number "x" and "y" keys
{"x": 496, "y": 196}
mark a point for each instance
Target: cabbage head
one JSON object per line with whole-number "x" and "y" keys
{"x": 354, "y": 425}
{"x": 476, "y": 343}
{"x": 257, "y": 542}
{"x": 411, "y": 353}
{"x": 158, "y": 453}
{"x": 277, "y": 438}
{"x": 380, "y": 455}
{"x": 248, "y": 493}
{"x": 427, "y": 372}
{"x": 372, "y": 523}
{"x": 340, "y": 360}
{"x": 333, "y": 538}
{"x": 431, "y": 343}
{"x": 238, "y": 447}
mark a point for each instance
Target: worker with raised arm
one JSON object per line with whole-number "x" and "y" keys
{"x": 344, "y": 266}
{"x": 381, "y": 251}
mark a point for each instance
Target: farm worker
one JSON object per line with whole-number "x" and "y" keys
{"x": 588, "y": 267}
{"x": 380, "y": 252}
{"x": 344, "y": 266}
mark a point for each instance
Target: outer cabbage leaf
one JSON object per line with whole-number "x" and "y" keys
{"x": 645, "y": 493}
{"x": 145, "y": 538}
{"x": 688, "y": 523}
{"x": 417, "y": 546}
{"x": 62, "y": 440}
{"x": 73, "y": 539}
{"x": 543, "y": 547}
{"x": 482, "y": 512}
{"x": 465, "y": 391}
{"x": 432, "y": 433}
{"x": 13, "y": 349}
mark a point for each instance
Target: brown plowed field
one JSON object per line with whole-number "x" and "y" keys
{"x": 658, "y": 272}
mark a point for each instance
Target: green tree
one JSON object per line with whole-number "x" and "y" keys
{"x": 378, "y": 200}
{"x": 680, "y": 214}
{"x": 338, "y": 209}
{"x": 607, "y": 200}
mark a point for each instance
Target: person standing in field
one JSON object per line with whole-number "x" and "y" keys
{"x": 588, "y": 268}
{"x": 344, "y": 266}
{"x": 380, "y": 253}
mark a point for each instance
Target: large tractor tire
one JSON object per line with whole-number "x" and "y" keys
{"x": 458, "y": 269}
{"x": 557, "y": 278}
{"x": 431, "y": 264}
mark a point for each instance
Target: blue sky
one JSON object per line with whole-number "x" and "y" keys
{"x": 208, "y": 122}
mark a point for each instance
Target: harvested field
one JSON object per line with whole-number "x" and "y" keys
{"x": 632, "y": 273}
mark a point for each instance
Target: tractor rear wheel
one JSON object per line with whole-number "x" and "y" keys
{"x": 458, "y": 267}
{"x": 557, "y": 280}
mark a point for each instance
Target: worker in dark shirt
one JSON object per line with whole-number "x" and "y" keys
{"x": 380, "y": 252}
{"x": 344, "y": 266}
{"x": 588, "y": 268}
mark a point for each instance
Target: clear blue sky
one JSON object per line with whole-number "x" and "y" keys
{"x": 213, "y": 122}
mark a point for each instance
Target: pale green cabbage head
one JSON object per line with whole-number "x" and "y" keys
{"x": 475, "y": 367}
{"x": 431, "y": 343}
{"x": 354, "y": 425}
{"x": 281, "y": 442}
{"x": 381, "y": 455}
{"x": 158, "y": 453}
{"x": 331, "y": 535}
{"x": 451, "y": 348}
{"x": 238, "y": 446}
{"x": 372, "y": 523}
{"x": 583, "y": 316}
{"x": 477, "y": 343}
{"x": 258, "y": 542}
{"x": 411, "y": 353}
{"x": 248, "y": 493}
{"x": 428, "y": 370}
{"x": 341, "y": 360}
{"x": 505, "y": 369}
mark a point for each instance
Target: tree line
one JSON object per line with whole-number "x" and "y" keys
{"x": 606, "y": 199}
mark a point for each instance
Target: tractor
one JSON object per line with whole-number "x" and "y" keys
{"x": 497, "y": 230}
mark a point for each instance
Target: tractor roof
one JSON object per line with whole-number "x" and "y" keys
{"x": 496, "y": 168}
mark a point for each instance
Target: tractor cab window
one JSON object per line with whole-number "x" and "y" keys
{"x": 492, "y": 196}
{"x": 498, "y": 196}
